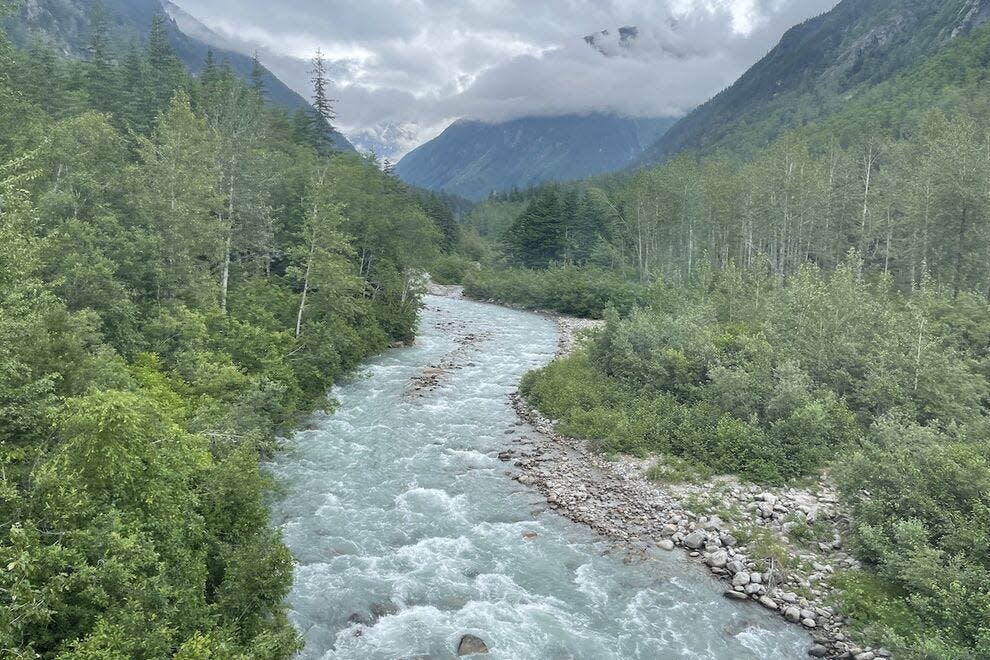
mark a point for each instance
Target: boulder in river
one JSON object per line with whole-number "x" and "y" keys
{"x": 471, "y": 645}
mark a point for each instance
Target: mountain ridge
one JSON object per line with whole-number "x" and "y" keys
{"x": 816, "y": 67}
{"x": 472, "y": 158}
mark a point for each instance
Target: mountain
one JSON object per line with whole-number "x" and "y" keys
{"x": 66, "y": 24}
{"x": 818, "y": 69}
{"x": 474, "y": 158}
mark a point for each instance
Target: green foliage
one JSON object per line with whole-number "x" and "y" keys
{"x": 183, "y": 279}
{"x": 921, "y": 504}
{"x": 581, "y": 291}
{"x": 766, "y": 380}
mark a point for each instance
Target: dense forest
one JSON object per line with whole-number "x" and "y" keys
{"x": 186, "y": 270}
{"x": 817, "y": 305}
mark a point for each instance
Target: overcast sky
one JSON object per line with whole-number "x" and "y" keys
{"x": 405, "y": 69}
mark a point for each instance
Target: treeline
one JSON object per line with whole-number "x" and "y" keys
{"x": 909, "y": 206}
{"x": 185, "y": 272}
{"x": 900, "y": 175}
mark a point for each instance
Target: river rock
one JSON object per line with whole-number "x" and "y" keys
{"x": 741, "y": 579}
{"x": 792, "y": 614}
{"x": 471, "y": 645}
{"x": 865, "y": 655}
{"x": 809, "y": 623}
{"x": 735, "y": 595}
{"x": 666, "y": 544}
{"x": 718, "y": 559}
{"x": 695, "y": 539}
{"x": 818, "y": 651}
{"x": 713, "y": 523}
{"x": 768, "y": 602}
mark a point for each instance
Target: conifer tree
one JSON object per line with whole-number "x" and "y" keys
{"x": 257, "y": 76}
{"x": 101, "y": 75}
{"x": 324, "y": 113}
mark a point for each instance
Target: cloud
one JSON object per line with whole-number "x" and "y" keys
{"x": 406, "y": 68}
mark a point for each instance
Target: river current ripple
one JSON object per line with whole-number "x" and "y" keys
{"x": 408, "y": 533}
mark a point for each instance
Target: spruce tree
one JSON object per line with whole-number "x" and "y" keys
{"x": 257, "y": 76}
{"x": 101, "y": 74}
{"x": 324, "y": 113}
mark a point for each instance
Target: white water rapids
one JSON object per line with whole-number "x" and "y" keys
{"x": 409, "y": 533}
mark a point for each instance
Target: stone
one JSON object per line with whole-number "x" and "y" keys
{"x": 883, "y": 653}
{"x": 808, "y": 614}
{"x": 736, "y": 566}
{"x": 359, "y": 619}
{"x": 818, "y": 651}
{"x": 695, "y": 539}
{"x": 713, "y": 523}
{"x": 735, "y": 595}
{"x": 718, "y": 559}
{"x": 808, "y": 623}
{"x": 728, "y": 540}
{"x": 756, "y": 578}
{"x": 769, "y": 499}
{"x": 754, "y": 589}
{"x": 741, "y": 579}
{"x": 765, "y": 509}
{"x": 789, "y": 597}
{"x": 382, "y": 610}
{"x": 865, "y": 655}
{"x": 770, "y": 603}
{"x": 666, "y": 544}
{"x": 792, "y": 614}
{"x": 471, "y": 645}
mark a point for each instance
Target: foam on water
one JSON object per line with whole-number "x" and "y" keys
{"x": 409, "y": 534}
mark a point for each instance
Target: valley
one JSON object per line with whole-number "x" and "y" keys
{"x": 617, "y": 365}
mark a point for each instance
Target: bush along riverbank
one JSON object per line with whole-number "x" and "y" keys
{"x": 851, "y": 417}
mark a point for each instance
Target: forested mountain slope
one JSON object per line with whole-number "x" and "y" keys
{"x": 473, "y": 159}
{"x": 66, "y": 25}
{"x": 817, "y": 68}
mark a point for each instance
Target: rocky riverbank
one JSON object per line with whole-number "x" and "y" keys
{"x": 776, "y": 548}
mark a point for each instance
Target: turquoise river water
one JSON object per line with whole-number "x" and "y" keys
{"x": 409, "y": 533}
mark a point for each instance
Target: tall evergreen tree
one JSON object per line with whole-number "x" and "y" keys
{"x": 324, "y": 113}
{"x": 101, "y": 74}
{"x": 536, "y": 238}
{"x": 165, "y": 73}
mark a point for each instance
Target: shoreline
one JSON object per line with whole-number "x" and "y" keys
{"x": 617, "y": 500}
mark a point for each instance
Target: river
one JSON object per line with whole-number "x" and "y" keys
{"x": 409, "y": 533}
